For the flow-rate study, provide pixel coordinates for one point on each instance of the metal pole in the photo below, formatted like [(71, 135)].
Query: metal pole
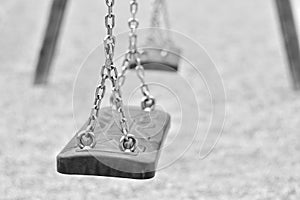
[(291, 41), (47, 51)]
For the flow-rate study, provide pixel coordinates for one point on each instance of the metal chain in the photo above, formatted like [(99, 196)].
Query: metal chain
[(133, 56), (86, 138)]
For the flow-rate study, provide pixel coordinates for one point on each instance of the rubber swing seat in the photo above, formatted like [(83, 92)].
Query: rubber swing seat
[(106, 158)]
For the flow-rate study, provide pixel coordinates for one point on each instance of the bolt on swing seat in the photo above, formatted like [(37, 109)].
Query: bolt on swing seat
[(107, 158)]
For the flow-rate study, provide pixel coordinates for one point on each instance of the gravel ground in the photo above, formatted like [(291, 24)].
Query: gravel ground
[(257, 156)]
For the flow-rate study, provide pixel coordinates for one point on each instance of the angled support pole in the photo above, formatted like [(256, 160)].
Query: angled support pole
[(291, 40), (47, 51)]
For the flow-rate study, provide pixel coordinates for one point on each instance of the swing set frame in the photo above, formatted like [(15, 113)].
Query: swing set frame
[(47, 52)]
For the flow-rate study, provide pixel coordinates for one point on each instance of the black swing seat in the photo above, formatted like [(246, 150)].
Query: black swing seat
[(106, 158), (159, 59)]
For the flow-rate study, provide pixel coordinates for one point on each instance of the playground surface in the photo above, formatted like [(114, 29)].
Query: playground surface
[(257, 157)]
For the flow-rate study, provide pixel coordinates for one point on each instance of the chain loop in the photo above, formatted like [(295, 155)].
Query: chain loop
[(128, 143), (110, 3), (86, 139), (133, 8)]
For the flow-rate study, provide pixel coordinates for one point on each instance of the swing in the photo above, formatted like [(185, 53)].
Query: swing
[(118, 141), (160, 52)]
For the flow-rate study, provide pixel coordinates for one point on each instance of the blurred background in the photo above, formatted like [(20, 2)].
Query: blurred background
[(257, 156)]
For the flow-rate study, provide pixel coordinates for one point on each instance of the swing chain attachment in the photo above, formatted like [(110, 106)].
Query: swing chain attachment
[(112, 72), (133, 56), (128, 142), (86, 138)]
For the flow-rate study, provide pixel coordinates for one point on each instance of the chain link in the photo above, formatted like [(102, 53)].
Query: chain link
[(110, 17)]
